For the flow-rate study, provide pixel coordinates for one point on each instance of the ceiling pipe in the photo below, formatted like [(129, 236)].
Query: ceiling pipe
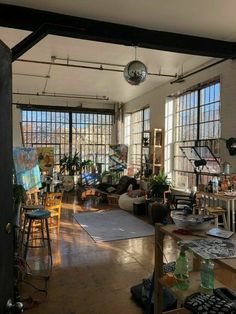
[(62, 95), (100, 68), (33, 75), (180, 78), (89, 62)]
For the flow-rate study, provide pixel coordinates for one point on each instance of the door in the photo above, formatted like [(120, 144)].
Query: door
[(6, 206)]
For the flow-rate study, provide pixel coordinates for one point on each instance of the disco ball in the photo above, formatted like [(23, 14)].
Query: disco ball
[(135, 72)]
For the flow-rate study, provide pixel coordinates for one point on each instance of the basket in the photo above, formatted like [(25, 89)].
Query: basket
[(113, 199)]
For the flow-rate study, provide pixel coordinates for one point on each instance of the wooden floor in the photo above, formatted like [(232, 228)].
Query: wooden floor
[(89, 277), (94, 278)]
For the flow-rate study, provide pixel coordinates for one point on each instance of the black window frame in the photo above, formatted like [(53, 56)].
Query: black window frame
[(66, 145)]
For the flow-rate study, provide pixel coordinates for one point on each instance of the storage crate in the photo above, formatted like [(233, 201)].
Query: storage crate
[(113, 199)]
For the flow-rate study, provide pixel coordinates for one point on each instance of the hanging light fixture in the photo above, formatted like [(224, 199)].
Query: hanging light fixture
[(135, 72)]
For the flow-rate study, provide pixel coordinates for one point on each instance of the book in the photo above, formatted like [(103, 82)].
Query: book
[(220, 233)]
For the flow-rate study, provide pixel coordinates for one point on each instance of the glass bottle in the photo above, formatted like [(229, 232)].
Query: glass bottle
[(209, 187), (215, 185), (207, 274), (181, 273)]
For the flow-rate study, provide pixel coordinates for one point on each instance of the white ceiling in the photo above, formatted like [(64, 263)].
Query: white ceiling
[(212, 18)]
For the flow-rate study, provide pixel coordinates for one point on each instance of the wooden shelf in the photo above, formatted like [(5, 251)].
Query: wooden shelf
[(194, 279), (157, 154), (194, 286), (178, 311), (153, 150)]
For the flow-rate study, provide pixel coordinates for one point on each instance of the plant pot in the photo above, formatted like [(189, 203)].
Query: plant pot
[(158, 213), (159, 189)]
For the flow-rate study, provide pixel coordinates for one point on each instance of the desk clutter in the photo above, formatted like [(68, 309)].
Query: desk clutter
[(194, 281), (201, 303)]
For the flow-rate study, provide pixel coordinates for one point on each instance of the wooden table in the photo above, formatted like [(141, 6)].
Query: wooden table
[(216, 198), (160, 280)]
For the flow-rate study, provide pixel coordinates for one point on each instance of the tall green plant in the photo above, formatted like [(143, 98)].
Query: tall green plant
[(70, 164), (159, 183), (19, 194)]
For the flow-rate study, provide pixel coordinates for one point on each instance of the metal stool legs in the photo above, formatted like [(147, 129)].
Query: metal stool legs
[(40, 216)]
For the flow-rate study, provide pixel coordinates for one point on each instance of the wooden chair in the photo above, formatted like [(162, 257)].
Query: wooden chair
[(218, 211), (53, 202), (32, 202), (32, 197)]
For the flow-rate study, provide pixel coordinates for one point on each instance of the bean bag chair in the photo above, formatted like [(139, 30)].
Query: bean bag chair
[(126, 200)]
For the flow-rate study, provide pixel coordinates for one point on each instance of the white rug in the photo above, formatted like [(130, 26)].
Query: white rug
[(111, 225)]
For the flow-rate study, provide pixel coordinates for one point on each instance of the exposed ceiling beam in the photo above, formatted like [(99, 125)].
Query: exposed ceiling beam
[(76, 27), (29, 41)]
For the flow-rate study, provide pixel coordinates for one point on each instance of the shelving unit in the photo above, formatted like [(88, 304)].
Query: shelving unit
[(152, 151), (157, 151), (145, 151), (161, 281)]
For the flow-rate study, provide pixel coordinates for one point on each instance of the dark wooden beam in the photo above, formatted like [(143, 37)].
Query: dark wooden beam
[(36, 107), (76, 27), (28, 42)]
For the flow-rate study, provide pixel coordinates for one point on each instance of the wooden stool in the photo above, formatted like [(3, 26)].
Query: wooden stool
[(218, 211), (40, 216)]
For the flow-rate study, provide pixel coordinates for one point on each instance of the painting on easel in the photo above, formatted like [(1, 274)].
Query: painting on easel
[(26, 167), (46, 158)]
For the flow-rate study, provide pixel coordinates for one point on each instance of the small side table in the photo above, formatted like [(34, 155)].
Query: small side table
[(139, 208)]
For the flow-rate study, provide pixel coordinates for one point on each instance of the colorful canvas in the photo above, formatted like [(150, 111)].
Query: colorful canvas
[(119, 157), (25, 158), (45, 158), (29, 179), (26, 167)]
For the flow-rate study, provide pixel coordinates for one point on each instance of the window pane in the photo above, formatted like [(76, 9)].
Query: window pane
[(187, 130), (48, 128)]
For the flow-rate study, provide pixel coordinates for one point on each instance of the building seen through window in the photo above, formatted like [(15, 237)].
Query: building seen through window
[(86, 133)]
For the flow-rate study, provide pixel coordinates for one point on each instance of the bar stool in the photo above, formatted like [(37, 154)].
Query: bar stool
[(218, 211), (24, 209), (40, 217)]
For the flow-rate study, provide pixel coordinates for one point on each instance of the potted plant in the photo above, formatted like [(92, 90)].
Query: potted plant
[(19, 195), (159, 183), (70, 164), (157, 210)]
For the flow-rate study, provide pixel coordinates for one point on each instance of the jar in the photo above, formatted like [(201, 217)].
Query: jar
[(207, 274), (226, 168), (181, 272)]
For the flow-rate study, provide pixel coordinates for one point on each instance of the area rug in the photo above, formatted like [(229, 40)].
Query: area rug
[(112, 225)]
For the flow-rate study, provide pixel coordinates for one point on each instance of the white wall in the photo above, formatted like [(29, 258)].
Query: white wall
[(157, 97)]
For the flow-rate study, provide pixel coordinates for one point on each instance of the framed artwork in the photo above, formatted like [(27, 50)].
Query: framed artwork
[(45, 158)]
